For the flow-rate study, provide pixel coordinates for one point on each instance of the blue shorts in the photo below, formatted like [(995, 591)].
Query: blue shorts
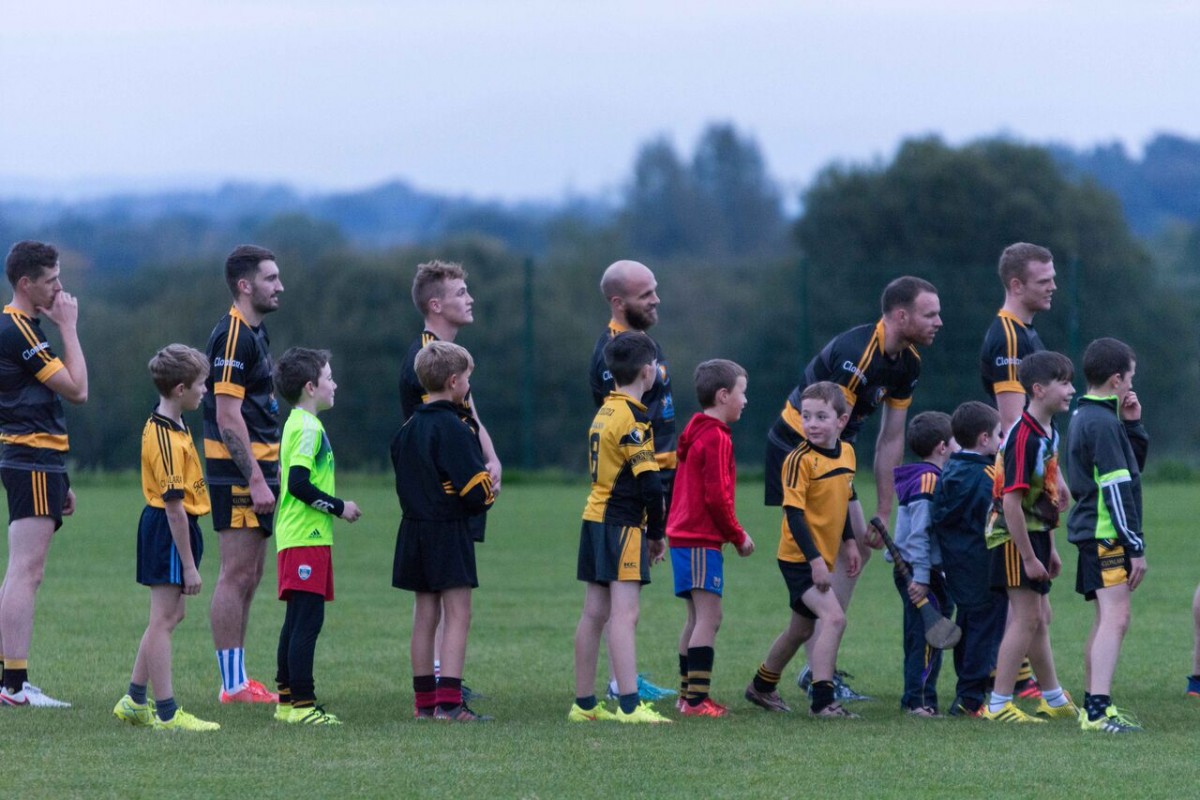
[(697, 568), (157, 559)]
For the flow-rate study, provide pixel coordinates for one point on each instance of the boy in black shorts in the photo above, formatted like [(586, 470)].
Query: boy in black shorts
[(622, 533), (442, 481), (1107, 446), (1020, 535), (818, 486), (169, 542)]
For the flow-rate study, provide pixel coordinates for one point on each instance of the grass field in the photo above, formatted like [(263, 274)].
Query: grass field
[(91, 615)]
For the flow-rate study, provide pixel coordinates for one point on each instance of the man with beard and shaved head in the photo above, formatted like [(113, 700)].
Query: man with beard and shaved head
[(241, 451), (631, 292)]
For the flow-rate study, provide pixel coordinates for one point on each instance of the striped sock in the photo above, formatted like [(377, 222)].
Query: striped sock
[(233, 669), (1055, 698), (765, 680), (998, 702), (700, 664)]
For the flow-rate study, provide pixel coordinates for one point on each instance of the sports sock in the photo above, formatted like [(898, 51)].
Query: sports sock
[(586, 703), (424, 692), (1096, 704), (1055, 698), (285, 695), (165, 709), (1025, 672), (700, 664), (233, 669), (998, 702), (137, 693), (765, 680), (683, 674), (613, 689), (822, 694), (629, 702), (449, 693), (16, 674)]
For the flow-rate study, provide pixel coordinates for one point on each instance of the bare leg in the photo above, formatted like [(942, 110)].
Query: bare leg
[(426, 612), (242, 552), (28, 545), (1041, 656), (592, 624), (456, 608), (153, 662), (705, 613), (843, 584), (798, 631), (622, 633), (1024, 622), (1112, 621), (1196, 632), (828, 638)]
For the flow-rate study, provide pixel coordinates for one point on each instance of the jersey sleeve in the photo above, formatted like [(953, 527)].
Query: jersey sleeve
[(163, 457), (1115, 481), (599, 378), (795, 481), (30, 348), (234, 354), (461, 460), (637, 446), (900, 394), (303, 443), (1020, 459)]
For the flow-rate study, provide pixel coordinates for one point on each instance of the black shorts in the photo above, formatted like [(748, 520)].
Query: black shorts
[(232, 509), (157, 558), (1102, 563), (610, 553), (781, 440), (1008, 571), (798, 577), (434, 556), (35, 494)]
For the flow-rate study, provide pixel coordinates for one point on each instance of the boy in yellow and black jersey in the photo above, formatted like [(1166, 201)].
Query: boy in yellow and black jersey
[(623, 532)]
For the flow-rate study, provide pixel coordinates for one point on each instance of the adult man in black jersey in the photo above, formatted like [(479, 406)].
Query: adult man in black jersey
[(33, 447), (241, 450), (875, 364), (1027, 273)]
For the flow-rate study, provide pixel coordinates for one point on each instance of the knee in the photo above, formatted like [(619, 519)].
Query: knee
[(626, 618), (835, 620)]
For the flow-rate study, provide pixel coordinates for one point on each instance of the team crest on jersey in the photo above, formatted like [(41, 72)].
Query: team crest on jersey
[(880, 393), (636, 436), (304, 571)]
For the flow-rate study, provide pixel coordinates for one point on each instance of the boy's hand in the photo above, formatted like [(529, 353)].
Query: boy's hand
[(1131, 409), (69, 504), (191, 580), (1034, 570), (872, 535), (747, 547), (1137, 571), (852, 556), (1055, 563), (917, 592), (658, 550), (350, 511), (820, 575)]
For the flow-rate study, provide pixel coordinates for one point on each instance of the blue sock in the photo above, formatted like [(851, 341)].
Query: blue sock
[(233, 669), (137, 693), (586, 703), (629, 702), (166, 709)]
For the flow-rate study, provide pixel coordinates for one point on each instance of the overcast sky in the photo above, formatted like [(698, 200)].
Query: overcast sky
[(532, 99)]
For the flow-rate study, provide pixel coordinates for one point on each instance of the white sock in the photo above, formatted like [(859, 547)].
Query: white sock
[(233, 669), (998, 702), (1055, 698)]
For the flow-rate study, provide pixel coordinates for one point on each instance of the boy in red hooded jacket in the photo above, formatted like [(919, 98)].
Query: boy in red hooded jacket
[(702, 520)]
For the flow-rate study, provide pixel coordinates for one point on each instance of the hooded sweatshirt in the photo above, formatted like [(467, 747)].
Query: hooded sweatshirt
[(914, 489), (702, 509)]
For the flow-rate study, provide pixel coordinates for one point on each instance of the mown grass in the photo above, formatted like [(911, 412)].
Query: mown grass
[(91, 615)]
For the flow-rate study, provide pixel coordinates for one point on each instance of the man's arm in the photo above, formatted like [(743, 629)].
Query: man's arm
[(889, 452), (1010, 405), (237, 441), (71, 382), (491, 460)]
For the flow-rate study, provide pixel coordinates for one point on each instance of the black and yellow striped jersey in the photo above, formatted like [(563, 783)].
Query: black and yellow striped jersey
[(658, 400), (620, 448), (440, 474), (240, 366), (412, 393), (820, 483), (33, 427), (1006, 342), (171, 466), (855, 360)]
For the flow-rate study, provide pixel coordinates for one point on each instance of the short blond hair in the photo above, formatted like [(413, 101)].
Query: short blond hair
[(430, 280), (437, 362), (177, 364)]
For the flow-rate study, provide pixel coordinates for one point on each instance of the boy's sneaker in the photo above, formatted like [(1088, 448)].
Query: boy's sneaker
[(707, 708), (1009, 713), (804, 679), (252, 692), (460, 713), (644, 713), (680, 703), (842, 690), (424, 713), (647, 691), (1193, 689), (959, 708), (597, 714), (769, 701), (1028, 689), (283, 712), (312, 715), (470, 695), (31, 696), (1067, 711), (834, 710), (1113, 721), (183, 721), (138, 715), (927, 712)]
